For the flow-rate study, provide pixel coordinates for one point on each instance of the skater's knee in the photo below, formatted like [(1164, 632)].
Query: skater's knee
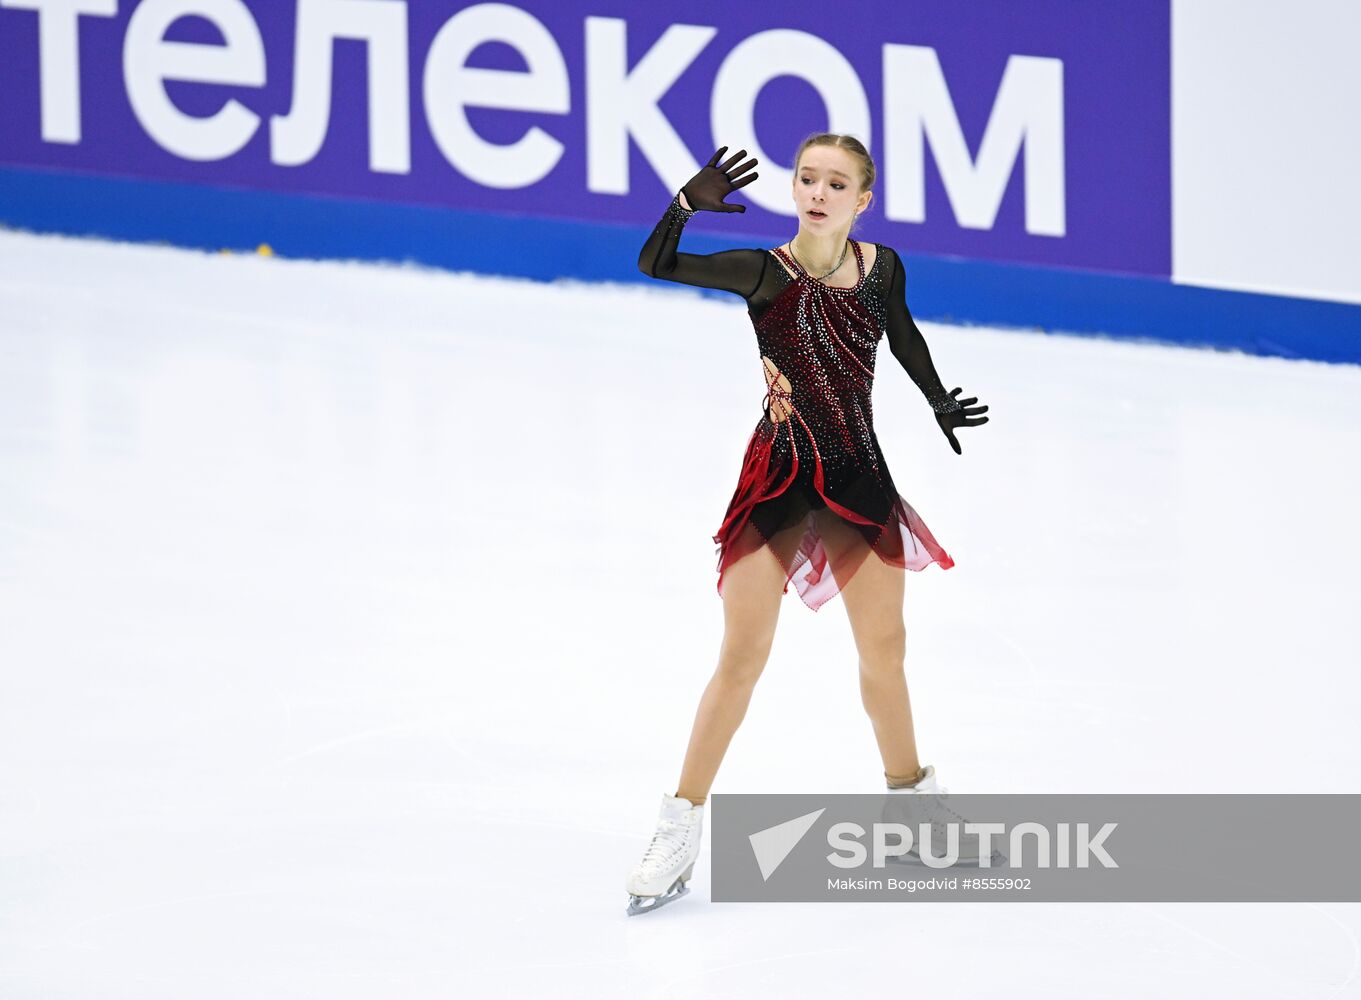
[(740, 673), (881, 645), (883, 649), (742, 660)]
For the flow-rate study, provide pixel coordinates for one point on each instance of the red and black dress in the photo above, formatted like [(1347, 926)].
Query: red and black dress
[(814, 489)]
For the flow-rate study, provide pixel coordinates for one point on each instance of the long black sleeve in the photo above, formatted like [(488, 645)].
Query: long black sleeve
[(738, 271), (909, 346)]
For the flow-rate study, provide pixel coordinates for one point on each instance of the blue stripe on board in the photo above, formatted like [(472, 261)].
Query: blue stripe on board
[(942, 289)]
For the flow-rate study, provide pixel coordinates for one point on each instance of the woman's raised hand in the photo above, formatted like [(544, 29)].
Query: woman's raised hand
[(967, 415), (714, 182)]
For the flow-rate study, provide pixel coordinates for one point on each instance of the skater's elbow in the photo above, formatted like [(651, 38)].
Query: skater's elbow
[(651, 266)]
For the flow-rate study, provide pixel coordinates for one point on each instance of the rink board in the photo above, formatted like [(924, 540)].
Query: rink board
[(944, 289)]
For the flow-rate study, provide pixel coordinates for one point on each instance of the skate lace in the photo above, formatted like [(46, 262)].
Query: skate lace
[(937, 812), (667, 844), (938, 806)]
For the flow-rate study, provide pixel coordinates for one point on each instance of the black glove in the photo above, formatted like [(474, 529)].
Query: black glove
[(959, 413), (707, 189)]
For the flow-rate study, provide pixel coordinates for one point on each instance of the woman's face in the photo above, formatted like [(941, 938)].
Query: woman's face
[(827, 189)]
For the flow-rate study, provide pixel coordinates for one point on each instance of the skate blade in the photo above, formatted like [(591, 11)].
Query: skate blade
[(646, 904)]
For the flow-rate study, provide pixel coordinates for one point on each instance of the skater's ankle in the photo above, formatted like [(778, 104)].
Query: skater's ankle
[(906, 780), (693, 800)]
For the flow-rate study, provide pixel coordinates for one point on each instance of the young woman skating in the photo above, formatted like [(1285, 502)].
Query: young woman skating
[(814, 499)]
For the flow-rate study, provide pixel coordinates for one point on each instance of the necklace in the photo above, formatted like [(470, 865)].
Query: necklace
[(829, 273)]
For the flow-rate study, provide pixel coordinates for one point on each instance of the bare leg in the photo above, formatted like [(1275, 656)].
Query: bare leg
[(752, 588), (874, 604)]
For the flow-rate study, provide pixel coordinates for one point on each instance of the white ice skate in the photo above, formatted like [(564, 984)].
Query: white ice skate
[(923, 803), (669, 861)]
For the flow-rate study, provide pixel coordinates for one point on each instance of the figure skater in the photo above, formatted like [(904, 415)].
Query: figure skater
[(814, 498)]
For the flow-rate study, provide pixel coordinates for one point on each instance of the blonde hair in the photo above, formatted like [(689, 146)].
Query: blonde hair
[(851, 145)]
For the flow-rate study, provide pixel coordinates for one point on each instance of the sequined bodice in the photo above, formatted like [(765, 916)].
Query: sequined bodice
[(824, 340)]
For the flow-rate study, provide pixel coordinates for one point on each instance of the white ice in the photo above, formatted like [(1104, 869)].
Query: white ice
[(353, 620)]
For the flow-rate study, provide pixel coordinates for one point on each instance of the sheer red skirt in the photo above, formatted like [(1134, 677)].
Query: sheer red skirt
[(820, 525)]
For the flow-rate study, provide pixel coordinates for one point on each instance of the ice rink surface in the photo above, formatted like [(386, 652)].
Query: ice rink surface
[(353, 621)]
